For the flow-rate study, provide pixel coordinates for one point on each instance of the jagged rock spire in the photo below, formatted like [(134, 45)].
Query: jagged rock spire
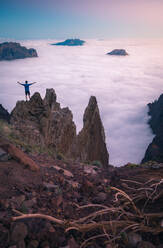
[(91, 139), (50, 97)]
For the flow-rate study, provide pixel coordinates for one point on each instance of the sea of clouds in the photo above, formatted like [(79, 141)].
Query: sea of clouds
[(123, 86)]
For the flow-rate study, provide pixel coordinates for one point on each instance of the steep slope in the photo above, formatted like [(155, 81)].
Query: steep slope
[(155, 149)]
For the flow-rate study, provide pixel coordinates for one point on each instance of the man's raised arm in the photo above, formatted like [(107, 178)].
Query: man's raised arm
[(19, 83)]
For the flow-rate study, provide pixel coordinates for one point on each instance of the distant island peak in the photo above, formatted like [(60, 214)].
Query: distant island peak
[(13, 50), (70, 42), (118, 52)]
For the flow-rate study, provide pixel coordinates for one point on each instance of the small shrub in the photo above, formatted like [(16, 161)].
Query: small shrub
[(24, 209), (60, 156), (131, 165), (5, 128), (97, 163)]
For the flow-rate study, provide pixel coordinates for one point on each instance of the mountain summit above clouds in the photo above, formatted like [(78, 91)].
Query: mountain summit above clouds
[(118, 52), (13, 50), (44, 123), (70, 42)]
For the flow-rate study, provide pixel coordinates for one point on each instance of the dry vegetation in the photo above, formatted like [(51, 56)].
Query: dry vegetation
[(135, 211)]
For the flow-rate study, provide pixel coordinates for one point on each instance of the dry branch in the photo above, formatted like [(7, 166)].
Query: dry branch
[(40, 216), (110, 222)]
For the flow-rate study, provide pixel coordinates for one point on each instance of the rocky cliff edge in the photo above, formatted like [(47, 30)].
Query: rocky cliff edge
[(155, 149), (44, 123)]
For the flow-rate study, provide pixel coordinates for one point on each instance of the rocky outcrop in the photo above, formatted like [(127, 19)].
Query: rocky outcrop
[(70, 42), (4, 115), (155, 149), (13, 50), (118, 52), (44, 123), (91, 140)]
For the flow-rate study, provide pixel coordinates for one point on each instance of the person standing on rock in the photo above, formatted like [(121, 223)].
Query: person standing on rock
[(26, 87)]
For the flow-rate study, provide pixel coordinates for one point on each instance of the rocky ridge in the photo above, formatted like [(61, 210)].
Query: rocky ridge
[(13, 50), (70, 42), (44, 123), (155, 149)]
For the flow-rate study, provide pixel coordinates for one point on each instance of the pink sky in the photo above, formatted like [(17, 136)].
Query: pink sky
[(138, 18), (139, 12)]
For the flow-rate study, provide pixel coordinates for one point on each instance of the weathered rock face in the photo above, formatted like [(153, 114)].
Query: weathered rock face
[(4, 115), (13, 50), (70, 42), (155, 149), (46, 124), (118, 52), (26, 118), (91, 140)]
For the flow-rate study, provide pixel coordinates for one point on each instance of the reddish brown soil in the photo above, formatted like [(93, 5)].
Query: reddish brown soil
[(61, 201)]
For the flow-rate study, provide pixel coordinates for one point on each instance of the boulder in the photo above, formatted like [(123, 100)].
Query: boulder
[(133, 239), (154, 151), (13, 50), (4, 235), (146, 244), (4, 155), (19, 232), (118, 52), (33, 244), (100, 198), (72, 243), (4, 115), (70, 42), (50, 187)]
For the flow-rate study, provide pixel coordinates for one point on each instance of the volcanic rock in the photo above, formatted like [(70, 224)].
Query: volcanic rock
[(133, 239), (155, 149), (13, 50), (100, 198), (4, 234), (33, 244), (118, 52), (145, 244), (70, 42), (4, 115), (19, 232), (45, 124), (72, 243), (4, 156), (91, 140)]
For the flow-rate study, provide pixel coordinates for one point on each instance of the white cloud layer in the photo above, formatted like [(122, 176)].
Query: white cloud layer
[(123, 86)]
